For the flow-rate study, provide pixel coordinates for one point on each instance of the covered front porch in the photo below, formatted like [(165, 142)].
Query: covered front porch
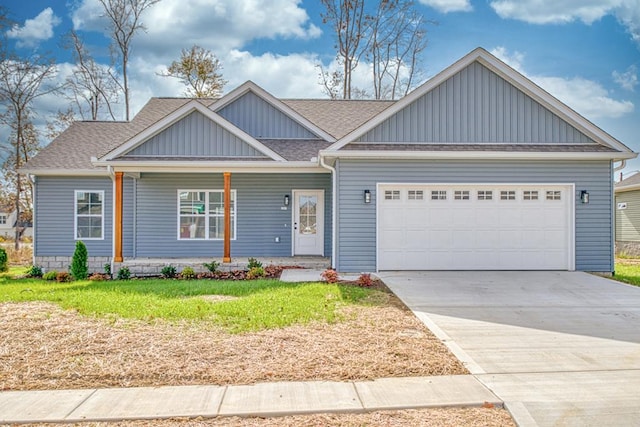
[(153, 266)]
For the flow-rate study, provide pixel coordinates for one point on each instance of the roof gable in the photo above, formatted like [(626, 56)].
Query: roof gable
[(480, 99), (218, 133), (260, 114)]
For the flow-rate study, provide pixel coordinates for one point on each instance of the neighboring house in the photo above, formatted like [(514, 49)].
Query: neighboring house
[(8, 225), (627, 217), (476, 169)]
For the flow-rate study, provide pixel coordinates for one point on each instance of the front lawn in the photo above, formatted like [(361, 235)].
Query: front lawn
[(628, 271), (238, 306)]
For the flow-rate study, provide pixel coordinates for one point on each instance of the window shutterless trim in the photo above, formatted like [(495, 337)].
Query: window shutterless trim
[(208, 215), (75, 214)]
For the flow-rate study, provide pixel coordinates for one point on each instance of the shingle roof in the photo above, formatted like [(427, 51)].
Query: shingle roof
[(296, 149), (632, 180)]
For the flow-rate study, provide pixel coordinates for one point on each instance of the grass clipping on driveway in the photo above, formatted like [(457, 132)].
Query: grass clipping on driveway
[(45, 347)]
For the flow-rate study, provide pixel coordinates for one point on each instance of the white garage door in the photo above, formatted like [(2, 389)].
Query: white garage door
[(475, 227)]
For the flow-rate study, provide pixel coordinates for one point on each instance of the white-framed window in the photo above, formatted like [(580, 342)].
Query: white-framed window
[(507, 195), (554, 195), (485, 195), (530, 195), (415, 195), (461, 195), (392, 194), (89, 215), (439, 195), (201, 214), (3, 219)]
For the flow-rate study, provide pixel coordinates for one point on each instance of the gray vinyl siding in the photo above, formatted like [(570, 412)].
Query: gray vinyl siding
[(475, 106), (259, 214), (195, 136), (356, 244), (260, 119), (628, 220), (54, 207)]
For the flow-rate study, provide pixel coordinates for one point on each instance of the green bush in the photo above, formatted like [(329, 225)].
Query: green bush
[(253, 263), (212, 266), (79, 267), (34, 271), (50, 275), (124, 273), (188, 273), (4, 261), (107, 269), (168, 272)]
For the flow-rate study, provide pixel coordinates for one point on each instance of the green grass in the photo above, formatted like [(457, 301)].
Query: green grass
[(260, 304), (628, 273)]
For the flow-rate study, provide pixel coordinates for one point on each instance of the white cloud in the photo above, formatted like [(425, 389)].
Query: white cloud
[(627, 80), (587, 97), (446, 6), (35, 30), (218, 25), (587, 11)]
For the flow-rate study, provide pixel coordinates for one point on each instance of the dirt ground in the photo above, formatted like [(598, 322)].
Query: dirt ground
[(45, 347)]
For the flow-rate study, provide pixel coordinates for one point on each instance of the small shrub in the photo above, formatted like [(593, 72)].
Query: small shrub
[(168, 272), (50, 275), (255, 273), (124, 273), (253, 263), (99, 277), (63, 277), (79, 267), (329, 276), (107, 269), (365, 280), (188, 273), (212, 266), (34, 271), (4, 261)]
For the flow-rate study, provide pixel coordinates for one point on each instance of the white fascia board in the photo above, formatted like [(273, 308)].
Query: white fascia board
[(65, 172), (510, 75), (626, 188), (176, 116), (208, 167), (475, 155), (250, 86)]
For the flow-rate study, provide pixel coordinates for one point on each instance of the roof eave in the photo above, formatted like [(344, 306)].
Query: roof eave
[(475, 155), (204, 166)]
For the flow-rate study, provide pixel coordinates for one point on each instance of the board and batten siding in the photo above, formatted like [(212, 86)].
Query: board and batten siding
[(260, 215), (628, 219), (195, 136), (475, 106), (260, 119), (356, 246), (54, 222)]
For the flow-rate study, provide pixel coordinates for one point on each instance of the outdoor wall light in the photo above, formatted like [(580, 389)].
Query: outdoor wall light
[(286, 200), (367, 196), (584, 196)]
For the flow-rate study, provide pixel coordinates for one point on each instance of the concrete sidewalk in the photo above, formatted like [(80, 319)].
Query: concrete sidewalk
[(265, 399)]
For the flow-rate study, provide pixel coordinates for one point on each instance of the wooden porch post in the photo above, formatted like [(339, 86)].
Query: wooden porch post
[(118, 218), (227, 217)]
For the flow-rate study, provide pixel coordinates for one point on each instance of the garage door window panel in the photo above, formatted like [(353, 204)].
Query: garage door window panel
[(485, 195), (554, 195), (461, 195), (507, 195), (439, 195)]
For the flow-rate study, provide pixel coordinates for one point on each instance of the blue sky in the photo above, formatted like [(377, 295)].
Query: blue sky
[(585, 52)]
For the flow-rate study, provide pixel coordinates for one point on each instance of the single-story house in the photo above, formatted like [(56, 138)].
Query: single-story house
[(476, 169), (627, 215)]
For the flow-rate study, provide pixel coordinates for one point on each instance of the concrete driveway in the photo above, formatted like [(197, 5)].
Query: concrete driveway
[(559, 348)]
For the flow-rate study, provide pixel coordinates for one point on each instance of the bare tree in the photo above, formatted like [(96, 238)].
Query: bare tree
[(347, 19), (396, 37), (331, 82), (91, 86), (124, 22), (59, 123), (200, 71), (21, 82)]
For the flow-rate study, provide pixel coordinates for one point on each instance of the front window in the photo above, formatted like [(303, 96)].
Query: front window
[(89, 215), (201, 214)]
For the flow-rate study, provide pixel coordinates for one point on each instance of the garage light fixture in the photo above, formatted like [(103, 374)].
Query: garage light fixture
[(584, 196), (367, 196)]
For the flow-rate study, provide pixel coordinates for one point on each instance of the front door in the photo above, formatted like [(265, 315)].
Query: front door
[(308, 222)]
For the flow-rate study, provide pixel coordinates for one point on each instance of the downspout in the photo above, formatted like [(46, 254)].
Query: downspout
[(32, 180), (334, 215)]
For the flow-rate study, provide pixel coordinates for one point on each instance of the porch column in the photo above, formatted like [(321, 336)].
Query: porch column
[(118, 218), (227, 217)]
